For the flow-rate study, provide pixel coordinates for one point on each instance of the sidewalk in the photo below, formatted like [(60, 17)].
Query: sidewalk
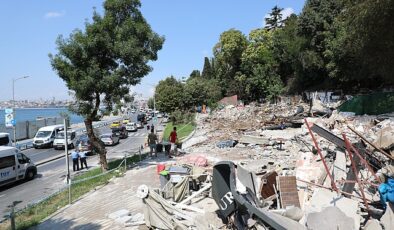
[(91, 211)]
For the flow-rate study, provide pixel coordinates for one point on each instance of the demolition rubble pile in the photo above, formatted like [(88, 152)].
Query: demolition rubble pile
[(283, 166)]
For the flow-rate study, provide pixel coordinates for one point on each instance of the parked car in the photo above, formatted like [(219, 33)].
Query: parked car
[(58, 143), (133, 110), (159, 115), (109, 139), (5, 139), (131, 127), (121, 132), (84, 144), (115, 124)]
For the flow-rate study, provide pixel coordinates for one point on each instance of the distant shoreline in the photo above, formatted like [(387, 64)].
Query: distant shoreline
[(39, 108)]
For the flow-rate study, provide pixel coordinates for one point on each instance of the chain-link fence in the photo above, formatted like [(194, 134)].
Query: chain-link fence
[(372, 104), (70, 192)]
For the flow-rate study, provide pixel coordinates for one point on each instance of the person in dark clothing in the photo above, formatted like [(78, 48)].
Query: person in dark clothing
[(82, 156), (75, 157), (152, 141)]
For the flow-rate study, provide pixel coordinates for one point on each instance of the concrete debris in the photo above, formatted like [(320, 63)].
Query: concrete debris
[(387, 219), (322, 198), (254, 140), (373, 224), (263, 168), (119, 214), (329, 219)]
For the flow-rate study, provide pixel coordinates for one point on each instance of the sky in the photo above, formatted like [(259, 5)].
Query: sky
[(191, 29)]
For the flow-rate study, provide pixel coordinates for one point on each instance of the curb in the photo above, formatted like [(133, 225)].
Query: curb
[(49, 160)]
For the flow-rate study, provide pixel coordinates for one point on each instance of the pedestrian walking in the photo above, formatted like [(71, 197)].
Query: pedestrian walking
[(152, 141), (173, 138), (82, 156), (75, 157)]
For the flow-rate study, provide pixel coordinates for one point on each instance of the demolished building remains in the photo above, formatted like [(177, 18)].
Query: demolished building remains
[(282, 166)]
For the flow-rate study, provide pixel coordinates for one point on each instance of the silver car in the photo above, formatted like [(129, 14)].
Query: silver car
[(131, 127), (109, 139)]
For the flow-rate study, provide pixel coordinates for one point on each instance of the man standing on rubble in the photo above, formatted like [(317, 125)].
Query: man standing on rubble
[(173, 138)]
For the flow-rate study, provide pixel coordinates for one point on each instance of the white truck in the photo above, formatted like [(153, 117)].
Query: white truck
[(58, 143), (15, 166), (46, 135)]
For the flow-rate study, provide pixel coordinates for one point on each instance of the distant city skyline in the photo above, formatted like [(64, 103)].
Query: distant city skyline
[(31, 28)]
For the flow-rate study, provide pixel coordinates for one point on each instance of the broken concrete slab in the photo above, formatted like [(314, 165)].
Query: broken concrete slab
[(119, 214), (339, 171), (123, 220), (387, 219), (385, 138), (254, 140), (323, 198), (372, 224), (328, 219)]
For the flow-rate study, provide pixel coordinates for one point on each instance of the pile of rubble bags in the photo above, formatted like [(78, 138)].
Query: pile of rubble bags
[(279, 167)]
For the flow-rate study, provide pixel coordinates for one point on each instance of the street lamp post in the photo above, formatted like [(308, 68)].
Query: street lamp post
[(14, 105)]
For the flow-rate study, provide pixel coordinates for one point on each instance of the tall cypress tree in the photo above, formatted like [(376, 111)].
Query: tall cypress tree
[(207, 70)]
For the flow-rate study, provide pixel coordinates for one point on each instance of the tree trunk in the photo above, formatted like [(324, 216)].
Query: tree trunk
[(97, 145)]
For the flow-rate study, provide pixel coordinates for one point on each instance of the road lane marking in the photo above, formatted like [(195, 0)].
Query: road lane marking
[(2, 195)]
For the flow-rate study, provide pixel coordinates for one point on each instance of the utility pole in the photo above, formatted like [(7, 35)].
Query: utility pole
[(14, 105), (67, 160)]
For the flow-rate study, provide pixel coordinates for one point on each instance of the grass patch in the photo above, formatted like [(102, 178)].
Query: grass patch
[(183, 130), (33, 215)]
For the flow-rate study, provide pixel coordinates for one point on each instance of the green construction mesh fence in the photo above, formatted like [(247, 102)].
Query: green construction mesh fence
[(372, 104)]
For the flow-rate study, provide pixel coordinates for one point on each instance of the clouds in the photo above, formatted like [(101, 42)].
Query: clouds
[(54, 14), (286, 12)]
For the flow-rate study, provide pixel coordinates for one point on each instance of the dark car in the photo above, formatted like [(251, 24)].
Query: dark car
[(142, 118), (121, 132), (84, 144)]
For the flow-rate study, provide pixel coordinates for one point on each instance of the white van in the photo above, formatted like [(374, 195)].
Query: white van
[(46, 135), (5, 139), (14, 166), (58, 143)]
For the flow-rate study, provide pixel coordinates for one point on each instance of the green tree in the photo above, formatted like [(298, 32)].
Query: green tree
[(316, 27), (274, 20), (207, 72), (194, 74), (102, 61), (195, 93), (227, 53), (362, 51), (259, 75), (151, 103), (286, 45), (169, 95)]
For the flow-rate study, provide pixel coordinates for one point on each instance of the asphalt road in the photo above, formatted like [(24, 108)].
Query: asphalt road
[(51, 176)]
